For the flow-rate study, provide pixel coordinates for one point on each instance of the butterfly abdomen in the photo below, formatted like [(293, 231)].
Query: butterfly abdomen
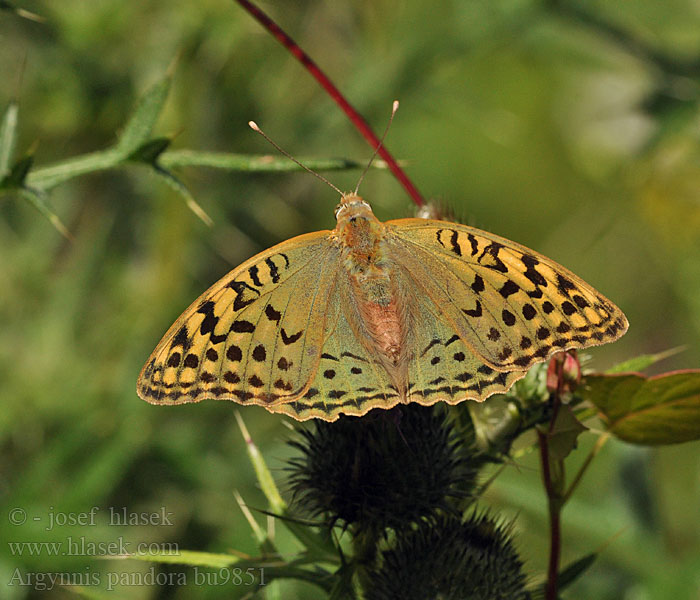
[(366, 260)]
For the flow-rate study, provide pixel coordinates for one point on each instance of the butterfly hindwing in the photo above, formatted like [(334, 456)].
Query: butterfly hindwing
[(349, 379), (252, 336), (512, 306), (444, 368)]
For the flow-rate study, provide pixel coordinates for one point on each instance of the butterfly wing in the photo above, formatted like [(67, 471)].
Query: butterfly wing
[(509, 305), (253, 337), (349, 380), (444, 367)]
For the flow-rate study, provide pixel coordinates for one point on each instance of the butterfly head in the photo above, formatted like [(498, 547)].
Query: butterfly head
[(352, 207)]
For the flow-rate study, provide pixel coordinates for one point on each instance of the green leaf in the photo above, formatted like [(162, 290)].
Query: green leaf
[(664, 409), (564, 433), (150, 151), (574, 570), (18, 173), (138, 128), (38, 200), (184, 193), (8, 134), (643, 361), (20, 12), (315, 543), (343, 588), (566, 576), (187, 557), (267, 483)]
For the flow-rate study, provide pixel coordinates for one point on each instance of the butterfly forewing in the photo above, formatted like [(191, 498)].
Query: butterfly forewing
[(252, 337), (512, 306)]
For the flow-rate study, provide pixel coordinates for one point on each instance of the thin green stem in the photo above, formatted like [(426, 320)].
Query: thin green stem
[(584, 467)]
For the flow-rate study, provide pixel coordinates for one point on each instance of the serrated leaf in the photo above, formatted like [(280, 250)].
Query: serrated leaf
[(564, 433), (643, 361), (664, 409), (8, 134), (37, 200), (139, 126)]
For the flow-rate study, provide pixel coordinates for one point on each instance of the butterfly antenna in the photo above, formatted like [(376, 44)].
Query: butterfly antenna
[(254, 126), (394, 108)]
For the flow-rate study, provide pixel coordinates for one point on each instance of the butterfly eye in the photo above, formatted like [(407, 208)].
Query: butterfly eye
[(338, 209)]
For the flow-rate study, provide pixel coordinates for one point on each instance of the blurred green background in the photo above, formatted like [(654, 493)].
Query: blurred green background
[(572, 128)]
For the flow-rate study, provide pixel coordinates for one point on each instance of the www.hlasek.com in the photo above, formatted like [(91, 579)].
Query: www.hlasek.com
[(80, 546), (112, 580)]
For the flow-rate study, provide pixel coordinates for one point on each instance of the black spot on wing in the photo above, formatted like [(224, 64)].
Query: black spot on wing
[(242, 326), (274, 271), (432, 343), (259, 353), (253, 273), (478, 285), (245, 294), (290, 339), (509, 288), (454, 240), (564, 284), (529, 311), (234, 354), (452, 340), (531, 272), (508, 317), (351, 355), (489, 258), (473, 312), (474, 244), (210, 322), (182, 338), (568, 308), (272, 314)]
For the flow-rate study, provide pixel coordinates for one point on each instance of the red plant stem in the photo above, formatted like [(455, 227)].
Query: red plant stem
[(554, 521), (554, 500), (334, 93)]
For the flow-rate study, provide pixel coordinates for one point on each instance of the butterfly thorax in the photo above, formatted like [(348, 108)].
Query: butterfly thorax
[(366, 261)]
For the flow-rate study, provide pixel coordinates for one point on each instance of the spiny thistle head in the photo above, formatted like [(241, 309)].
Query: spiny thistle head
[(383, 470), (448, 559)]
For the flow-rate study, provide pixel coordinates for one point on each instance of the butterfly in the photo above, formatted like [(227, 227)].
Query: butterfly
[(372, 314)]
